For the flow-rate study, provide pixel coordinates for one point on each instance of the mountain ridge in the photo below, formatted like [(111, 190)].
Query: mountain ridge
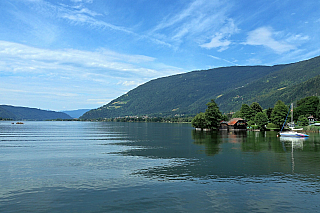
[(188, 93), (26, 113)]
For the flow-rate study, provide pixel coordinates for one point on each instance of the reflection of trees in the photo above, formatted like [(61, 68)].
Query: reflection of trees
[(262, 141), (210, 140), (242, 153), (249, 141)]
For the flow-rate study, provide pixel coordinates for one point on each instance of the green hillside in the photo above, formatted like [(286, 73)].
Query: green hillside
[(270, 88), (296, 92), (25, 113), (188, 93), (180, 94)]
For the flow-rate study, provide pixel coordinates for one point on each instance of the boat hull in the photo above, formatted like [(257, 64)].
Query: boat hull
[(293, 134)]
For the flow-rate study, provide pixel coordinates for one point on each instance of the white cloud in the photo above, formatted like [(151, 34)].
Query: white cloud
[(84, 1), (98, 101), (221, 59), (177, 18), (23, 58), (129, 83), (264, 36), (221, 39), (81, 15), (297, 38), (200, 20), (217, 41), (47, 78), (254, 61)]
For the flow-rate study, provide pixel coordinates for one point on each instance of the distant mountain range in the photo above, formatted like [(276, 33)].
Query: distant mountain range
[(230, 87), (25, 113), (76, 113)]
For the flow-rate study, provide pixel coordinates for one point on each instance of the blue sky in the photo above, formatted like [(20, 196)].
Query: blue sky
[(75, 54)]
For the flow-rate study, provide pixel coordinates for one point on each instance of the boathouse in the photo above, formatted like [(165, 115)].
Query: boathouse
[(234, 124), (223, 125)]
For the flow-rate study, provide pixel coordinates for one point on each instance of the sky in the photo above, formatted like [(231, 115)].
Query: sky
[(81, 54)]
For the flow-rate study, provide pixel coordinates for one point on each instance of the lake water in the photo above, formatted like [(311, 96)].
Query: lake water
[(154, 167)]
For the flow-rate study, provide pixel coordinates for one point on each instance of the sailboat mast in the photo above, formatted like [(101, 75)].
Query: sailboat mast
[(291, 113)]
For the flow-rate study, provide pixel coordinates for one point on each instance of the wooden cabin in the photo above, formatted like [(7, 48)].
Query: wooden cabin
[(237, 124), (223, 125)]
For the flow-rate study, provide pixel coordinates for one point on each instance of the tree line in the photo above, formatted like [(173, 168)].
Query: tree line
[(256, 116), (144, 119)]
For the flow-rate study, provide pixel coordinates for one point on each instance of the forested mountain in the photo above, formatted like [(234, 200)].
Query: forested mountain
[(293, 93), (25, 113), (188, 93), (288, 84)]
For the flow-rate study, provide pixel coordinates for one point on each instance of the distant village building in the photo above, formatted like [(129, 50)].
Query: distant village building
[(311, 119), (234, 124)]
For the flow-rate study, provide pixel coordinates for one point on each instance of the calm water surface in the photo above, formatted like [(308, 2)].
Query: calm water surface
[(154, 167)]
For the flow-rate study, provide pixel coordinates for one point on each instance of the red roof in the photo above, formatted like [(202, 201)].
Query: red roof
[(233, 121)]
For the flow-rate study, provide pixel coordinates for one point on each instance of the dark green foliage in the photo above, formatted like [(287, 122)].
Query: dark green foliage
[(25, 113), (289, 84), (246, 112), (199, 121), (272, 126), (210, 119), (226, 117), (261, 119), (317, 113), (249, 112), (268, 112), (148, 119), (237, 114), (293, 93), (279, 113), (256, 107), (187, 94), (213, 115), (303, 121), (306, 107)]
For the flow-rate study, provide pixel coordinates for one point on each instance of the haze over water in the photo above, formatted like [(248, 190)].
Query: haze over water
[(154, 167)]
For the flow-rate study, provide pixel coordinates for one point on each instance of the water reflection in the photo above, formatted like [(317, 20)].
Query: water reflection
[(239, 154), (293, 142), (247, 141), (212, 140), (121, 167)]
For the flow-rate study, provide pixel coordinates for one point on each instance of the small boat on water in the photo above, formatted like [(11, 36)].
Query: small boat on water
[(293, 134)]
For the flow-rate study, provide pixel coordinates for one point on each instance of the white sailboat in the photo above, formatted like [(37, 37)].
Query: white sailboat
[(292, 132)]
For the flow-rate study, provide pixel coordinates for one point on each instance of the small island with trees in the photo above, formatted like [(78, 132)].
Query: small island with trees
[(254, 117)]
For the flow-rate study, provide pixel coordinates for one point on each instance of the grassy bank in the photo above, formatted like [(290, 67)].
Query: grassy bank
[(311, 128)]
